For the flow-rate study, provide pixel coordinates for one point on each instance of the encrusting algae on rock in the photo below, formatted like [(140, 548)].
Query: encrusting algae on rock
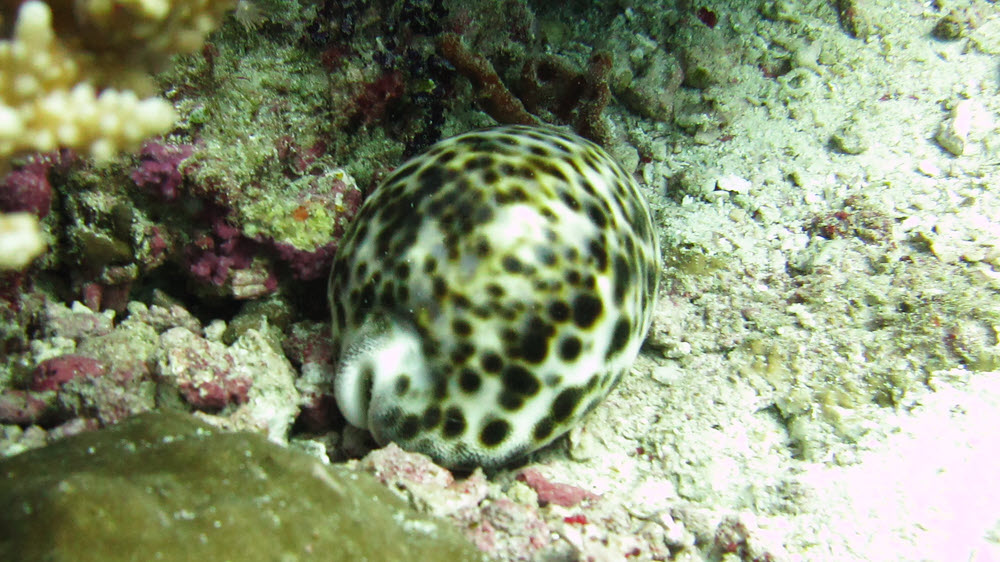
[(165, 486)]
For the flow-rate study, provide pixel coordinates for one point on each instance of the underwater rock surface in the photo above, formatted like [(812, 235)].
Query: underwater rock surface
[(166, 486)]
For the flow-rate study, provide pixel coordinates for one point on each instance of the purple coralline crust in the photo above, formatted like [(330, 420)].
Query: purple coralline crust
[(306, 265), (76, 324), (225, 258), (24, 407), (216, 394), (52, 373), (12, 285), (203, 372), (109, 399), (163, 317), (212, 257), (27, 189), (308, 342), (159, 168), (497, 525), (393, 466), (565, 495)]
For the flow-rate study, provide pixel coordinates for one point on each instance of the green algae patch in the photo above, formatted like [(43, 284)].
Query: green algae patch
[(165, 486)]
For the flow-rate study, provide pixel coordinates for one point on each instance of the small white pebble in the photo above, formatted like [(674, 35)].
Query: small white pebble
[(734, 184), (667, 374), (928, 168)]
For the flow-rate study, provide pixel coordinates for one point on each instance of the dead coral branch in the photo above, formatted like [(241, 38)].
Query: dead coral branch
[(496, 99)]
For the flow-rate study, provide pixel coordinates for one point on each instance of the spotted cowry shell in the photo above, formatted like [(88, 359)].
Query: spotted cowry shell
[(490, 292)]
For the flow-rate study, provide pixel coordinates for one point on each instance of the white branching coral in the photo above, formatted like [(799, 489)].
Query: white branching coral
[(21, 240), (75, 81)]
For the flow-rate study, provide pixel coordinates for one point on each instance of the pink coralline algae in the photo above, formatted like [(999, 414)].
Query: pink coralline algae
[(27, 189), (12, 288), (216, 394), (307, 266), (395, 467), (77, 323), (499, 526), (308, 346), (23, 407), (203, 372), (308, 342), (106, 296), (75, 386), (213, 258), (378, 96), (509, 530), (158, 245), (299, 160), (550, 492), (51, 374), (160, 168)]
